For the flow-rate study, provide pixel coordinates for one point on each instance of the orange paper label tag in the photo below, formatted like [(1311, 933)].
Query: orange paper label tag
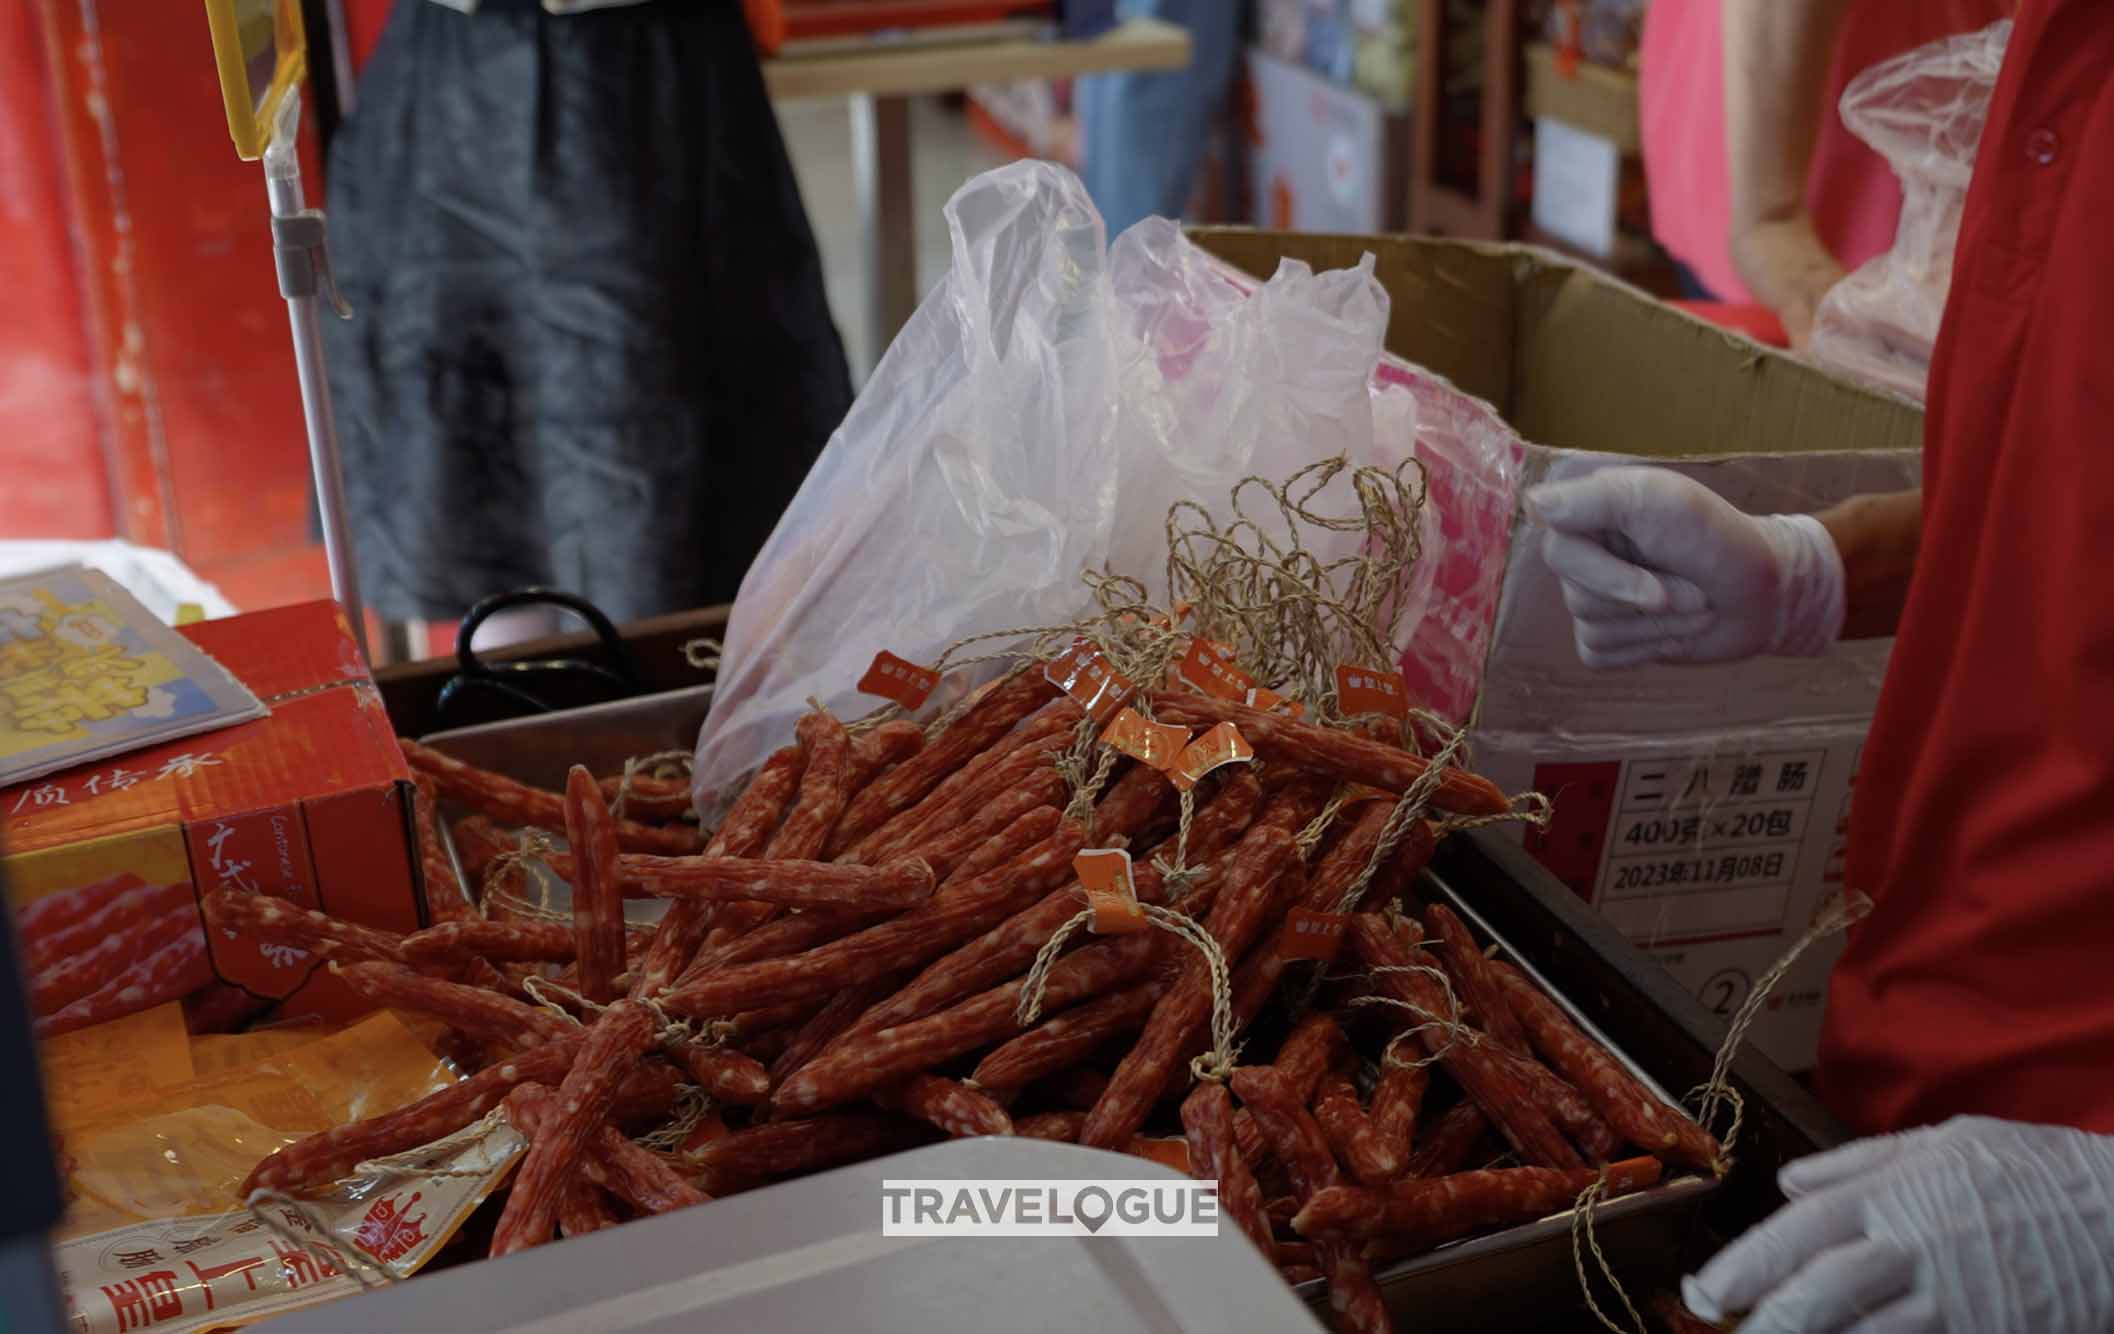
[(1308, 934), (1208, 666), (1110, 893), (1085, 675), (892, 678), (1222, 745), (1172, 1153), (1157, 745), (1269, 701), (1364, 690)]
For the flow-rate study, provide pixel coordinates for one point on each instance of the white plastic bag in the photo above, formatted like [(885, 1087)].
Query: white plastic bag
[(1923, 111), (1035, 419)]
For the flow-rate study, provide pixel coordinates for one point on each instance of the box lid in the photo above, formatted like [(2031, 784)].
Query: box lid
[(327, 733)]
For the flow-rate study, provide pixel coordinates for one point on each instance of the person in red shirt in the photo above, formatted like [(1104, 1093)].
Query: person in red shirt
[(1983, 823), (1759, 192)]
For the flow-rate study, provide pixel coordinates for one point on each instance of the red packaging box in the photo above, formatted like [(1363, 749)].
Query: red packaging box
[(104, 862)]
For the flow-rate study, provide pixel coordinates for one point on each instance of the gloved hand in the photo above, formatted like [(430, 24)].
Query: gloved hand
[(1977, 1226), (1657, 568)]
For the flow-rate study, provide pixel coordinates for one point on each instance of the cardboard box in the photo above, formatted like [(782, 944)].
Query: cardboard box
[(311, 804), (1323, 157), (1703, 809)]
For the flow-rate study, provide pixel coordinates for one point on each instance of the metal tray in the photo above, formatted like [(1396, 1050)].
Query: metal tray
[(540, 749), (1511, 1279)]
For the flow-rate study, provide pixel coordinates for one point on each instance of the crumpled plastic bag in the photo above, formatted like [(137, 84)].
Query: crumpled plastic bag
[(1923, 111), (1035, 419)]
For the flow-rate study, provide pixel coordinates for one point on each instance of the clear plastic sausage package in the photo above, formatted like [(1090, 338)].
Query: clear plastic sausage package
[(156, 1129), (1043, 409)]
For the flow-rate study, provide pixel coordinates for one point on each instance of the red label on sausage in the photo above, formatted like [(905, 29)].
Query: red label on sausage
[(1221, 745), (1157, 745), (1269, 701), (1208, 666), (1110, 893), (1366, 690), (1172, 1153), (1308, 934), (1084, 674), (893, 678)]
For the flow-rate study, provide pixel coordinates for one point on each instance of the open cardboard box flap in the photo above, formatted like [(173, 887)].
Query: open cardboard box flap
[(1527, 366), (1701, 809)]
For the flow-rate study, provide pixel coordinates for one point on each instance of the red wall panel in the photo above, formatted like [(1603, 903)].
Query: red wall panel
[(186, 332), (50, 445)]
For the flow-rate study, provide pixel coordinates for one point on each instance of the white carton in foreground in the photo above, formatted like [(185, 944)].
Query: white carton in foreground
[(1702, 809)]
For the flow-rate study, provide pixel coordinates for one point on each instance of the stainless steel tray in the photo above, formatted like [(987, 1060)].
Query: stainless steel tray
[(1503, 1280), (541, 748), (1511, 1278)]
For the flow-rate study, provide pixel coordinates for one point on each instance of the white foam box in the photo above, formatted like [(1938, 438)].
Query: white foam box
[(1702, 809)]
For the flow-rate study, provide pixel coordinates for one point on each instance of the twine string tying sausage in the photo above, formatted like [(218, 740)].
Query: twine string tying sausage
[(1317, 828), (1179, 877), (1085, 767), (1028, 1008), (656, 765), (562, 1000), (1457, 1030), (421, 1160), (532, 849), (548, 994), (692, 1106), (1408, 807), (1526, 808), (1215, 1064), (1717, 1093), (703, 654), (1253, 583), (1583, 1240), (1710, 1097)]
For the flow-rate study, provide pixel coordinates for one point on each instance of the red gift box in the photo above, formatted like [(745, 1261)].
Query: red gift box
[(105, 861)]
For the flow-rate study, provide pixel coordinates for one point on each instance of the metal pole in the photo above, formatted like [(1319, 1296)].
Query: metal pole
[(302, 252), (881, 171)]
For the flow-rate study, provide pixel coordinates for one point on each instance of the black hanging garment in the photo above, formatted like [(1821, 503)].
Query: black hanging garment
[(590, 346)]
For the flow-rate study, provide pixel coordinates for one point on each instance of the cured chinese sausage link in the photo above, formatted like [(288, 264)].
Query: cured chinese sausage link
[(512, 802)]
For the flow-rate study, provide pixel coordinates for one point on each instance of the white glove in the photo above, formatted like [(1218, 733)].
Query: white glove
[(1657, 568), (1977, 1226)]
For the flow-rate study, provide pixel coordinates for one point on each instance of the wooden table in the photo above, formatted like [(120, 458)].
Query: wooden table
[(881, 76)]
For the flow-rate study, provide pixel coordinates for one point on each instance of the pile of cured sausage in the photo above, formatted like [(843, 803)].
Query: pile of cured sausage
[(841, 969)]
